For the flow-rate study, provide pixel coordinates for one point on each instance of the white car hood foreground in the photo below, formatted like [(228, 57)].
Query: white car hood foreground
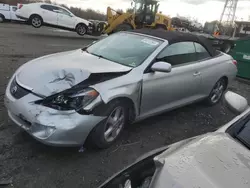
[(213, 160), (57, 72)]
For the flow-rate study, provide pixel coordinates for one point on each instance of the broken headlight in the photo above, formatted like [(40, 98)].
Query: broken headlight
[(65, 101)]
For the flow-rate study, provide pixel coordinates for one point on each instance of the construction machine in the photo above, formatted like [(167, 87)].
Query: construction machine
[(145, 15)]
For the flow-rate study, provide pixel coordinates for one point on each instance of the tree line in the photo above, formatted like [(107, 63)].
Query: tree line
[(82, 13)]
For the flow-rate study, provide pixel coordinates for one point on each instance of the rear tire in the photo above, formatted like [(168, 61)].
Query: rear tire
[(217, 92), (108, 131), (36, 21), (123, 27), (226, 47), (81, 29), (2, 18), (161, 27)]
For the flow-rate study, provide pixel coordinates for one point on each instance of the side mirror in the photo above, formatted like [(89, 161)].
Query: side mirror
[(161, 67), (235, 102)]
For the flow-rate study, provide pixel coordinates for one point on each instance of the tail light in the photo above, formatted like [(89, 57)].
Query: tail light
[(235, 62), (20, 6)]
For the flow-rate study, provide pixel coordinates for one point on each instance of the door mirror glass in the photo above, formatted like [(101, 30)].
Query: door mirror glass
[(161, 67), (235, 102)]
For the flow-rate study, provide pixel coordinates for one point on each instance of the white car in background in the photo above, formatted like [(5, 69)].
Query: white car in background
[(8, 12), (38, 14)]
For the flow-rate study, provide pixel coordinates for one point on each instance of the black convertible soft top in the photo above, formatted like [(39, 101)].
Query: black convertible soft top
[(175, 36)]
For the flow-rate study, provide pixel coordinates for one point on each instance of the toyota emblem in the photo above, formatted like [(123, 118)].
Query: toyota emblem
[(14, 89)]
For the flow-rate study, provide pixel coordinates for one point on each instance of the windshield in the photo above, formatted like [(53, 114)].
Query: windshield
[(244, 135), (241, 130), (125, 48)]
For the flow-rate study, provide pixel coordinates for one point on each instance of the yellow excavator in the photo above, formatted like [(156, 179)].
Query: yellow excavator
[(145, 15)]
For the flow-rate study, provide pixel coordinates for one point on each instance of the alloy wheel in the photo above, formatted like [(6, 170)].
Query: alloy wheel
[(114, 124), (82, 30), (36, 22), (217, 91)]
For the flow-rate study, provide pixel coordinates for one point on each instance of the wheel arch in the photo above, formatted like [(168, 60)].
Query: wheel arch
[(2, 16), (35, 14), (226, 79), (133, 111), (131, 106), (81, 23)]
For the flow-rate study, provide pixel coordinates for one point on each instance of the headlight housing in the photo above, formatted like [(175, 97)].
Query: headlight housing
[(67, 101)]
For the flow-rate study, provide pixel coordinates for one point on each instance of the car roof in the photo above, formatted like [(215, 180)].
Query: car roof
[(174, 37), (211, 160)]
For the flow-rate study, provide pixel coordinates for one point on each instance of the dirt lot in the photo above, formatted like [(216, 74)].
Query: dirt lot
[(32, 164)]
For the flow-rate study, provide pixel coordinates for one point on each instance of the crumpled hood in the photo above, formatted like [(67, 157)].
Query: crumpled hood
[(57, 72), (212, 160)]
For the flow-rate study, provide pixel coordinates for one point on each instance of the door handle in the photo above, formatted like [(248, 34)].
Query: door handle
[(197, 74)]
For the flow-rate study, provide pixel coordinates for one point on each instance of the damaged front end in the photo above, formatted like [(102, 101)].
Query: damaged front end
[(70, 100), (60, 119), (79, 96)]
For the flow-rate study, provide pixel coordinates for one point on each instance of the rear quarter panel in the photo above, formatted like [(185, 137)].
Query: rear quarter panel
[(27, 10), (214, 69)]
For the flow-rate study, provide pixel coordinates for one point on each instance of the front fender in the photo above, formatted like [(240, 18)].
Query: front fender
[(130, 91)]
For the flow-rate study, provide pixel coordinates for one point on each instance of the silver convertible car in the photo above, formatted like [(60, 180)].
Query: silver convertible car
[(90, 94)]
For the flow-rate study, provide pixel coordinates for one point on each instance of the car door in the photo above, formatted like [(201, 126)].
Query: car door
[(162, 91), (65, 19), (13, 13), (211, 70), (49, 14)]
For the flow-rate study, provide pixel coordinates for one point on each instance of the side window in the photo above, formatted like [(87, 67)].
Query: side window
[(47, 7), (14, 9), (178, 53), (63, 11), (201, 52)]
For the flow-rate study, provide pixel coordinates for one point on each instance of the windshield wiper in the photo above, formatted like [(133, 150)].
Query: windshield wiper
[(100, 56)]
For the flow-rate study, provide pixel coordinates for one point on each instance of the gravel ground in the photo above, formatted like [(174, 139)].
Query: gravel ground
[(31, 164)]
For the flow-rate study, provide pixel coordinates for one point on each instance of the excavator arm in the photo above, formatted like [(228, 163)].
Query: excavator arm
[(116, 18)]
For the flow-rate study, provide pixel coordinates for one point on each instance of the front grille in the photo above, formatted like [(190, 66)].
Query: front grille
[(17, 91)]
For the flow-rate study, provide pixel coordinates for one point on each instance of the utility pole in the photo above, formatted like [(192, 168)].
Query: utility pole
[(228, 14)]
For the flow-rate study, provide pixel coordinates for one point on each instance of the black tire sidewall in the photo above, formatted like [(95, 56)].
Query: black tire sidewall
[(123, 27), (2, 18), (209, 99), (96, 138)]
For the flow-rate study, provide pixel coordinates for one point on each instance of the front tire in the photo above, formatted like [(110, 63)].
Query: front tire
[(81, 29), (108, 131), (217, 92), (1, 19), (36, 21), (123, 27)]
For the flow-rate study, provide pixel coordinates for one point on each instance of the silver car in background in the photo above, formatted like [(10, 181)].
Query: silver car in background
[(89, 94), (220, 159)]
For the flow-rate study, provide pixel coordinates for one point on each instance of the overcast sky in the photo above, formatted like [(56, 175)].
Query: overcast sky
[(203, 10)]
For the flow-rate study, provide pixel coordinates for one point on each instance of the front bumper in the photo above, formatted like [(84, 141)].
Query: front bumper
[(49, 126)]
